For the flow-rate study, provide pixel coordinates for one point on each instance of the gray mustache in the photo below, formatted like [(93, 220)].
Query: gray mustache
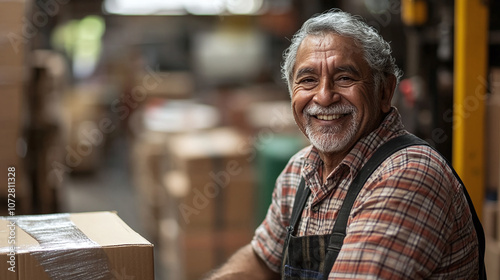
[(330, 110)]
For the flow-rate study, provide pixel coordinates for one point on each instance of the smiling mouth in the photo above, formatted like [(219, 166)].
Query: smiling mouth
[(329, 117)]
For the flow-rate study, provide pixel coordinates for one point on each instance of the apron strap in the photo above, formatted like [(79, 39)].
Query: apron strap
[(301, 196), (298, 206)]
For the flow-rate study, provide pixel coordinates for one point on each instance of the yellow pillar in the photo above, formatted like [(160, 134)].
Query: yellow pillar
[(471, 47)]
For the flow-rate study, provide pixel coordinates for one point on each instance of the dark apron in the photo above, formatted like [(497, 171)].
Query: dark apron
[(308, 257), (305, 257), (312, 257)]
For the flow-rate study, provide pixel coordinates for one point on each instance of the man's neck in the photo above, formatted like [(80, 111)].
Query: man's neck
[(330, 162)]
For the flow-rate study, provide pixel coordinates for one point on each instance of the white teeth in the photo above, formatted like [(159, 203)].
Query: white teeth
[(328, 117)]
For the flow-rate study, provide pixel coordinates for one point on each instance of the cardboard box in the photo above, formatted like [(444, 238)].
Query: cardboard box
[(10, 106), (12, 75), (172, 85), (13, 10), (13, 31), (98, 242), (208, 212), (492, 143), (189, 255), (8, 29), (12, 55), (147, 153), (217, 188), (492, 259), (84, 116), (490, 226)]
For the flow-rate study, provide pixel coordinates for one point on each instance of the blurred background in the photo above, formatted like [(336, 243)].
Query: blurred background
[(173, 113)]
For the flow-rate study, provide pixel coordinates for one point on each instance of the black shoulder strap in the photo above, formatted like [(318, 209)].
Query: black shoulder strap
[(387, 149), (298, 205)]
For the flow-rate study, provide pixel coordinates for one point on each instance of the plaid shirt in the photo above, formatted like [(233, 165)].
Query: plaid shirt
[(410, 220)]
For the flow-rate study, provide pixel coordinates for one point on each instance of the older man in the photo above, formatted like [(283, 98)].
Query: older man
[(410, 219)]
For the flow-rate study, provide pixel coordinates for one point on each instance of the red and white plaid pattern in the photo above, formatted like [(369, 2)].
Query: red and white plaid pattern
[(410, 220)]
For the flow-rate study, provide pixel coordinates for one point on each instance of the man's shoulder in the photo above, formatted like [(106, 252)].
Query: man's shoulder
[(419, 155), (419, 164)]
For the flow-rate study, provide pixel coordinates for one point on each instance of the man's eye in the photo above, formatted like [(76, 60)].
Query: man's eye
[(345, 78), (306, 80), (344, 81)]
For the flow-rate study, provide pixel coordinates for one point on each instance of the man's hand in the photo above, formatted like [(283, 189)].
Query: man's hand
[(244, 264)]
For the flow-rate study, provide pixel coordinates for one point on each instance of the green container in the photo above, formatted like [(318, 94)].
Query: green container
[(272, 157)]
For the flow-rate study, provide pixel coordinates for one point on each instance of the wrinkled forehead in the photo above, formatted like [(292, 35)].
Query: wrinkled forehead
[(330, 45), (329, 40)]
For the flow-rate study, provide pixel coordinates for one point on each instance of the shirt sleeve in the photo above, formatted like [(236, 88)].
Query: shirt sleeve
[(403, 226)]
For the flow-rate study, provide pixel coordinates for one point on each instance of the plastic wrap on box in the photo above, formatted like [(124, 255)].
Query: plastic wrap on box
[(58, 236), (79, 246)]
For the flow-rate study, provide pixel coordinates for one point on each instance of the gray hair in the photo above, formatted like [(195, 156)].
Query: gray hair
[(377, 51)]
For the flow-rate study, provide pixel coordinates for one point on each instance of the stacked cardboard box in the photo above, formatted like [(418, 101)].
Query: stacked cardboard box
[(491, 219), (492, 148), (209, 209), (172, 85), (147, 153), (12, 77), (492, 253), (95, 245), (87, 127), (156, 121)]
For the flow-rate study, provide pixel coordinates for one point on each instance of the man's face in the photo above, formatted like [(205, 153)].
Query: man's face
[(334, 100)]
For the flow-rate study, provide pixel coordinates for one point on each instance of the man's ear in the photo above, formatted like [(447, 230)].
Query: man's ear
[(387, 92)]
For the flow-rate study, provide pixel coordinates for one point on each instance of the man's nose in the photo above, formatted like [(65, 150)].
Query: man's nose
[(326, 93)]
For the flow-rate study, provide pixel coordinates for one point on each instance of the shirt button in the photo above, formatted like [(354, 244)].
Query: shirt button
[(315, 208)]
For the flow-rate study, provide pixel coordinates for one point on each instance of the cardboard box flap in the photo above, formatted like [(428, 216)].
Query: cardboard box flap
[(106, 229)]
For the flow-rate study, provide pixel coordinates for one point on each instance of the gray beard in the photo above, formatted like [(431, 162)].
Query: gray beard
[(326, 139)]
